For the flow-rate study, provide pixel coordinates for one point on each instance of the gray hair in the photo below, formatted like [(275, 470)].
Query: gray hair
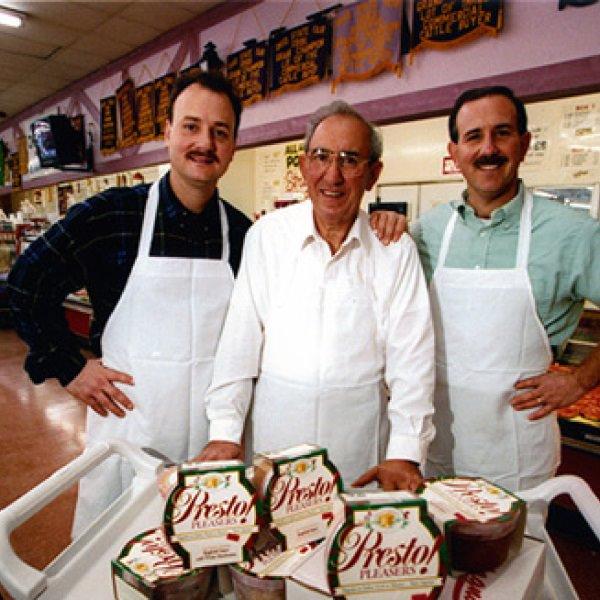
[(339, 107)]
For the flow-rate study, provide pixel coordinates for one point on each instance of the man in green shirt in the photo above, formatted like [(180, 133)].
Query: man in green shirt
[(508, 278)]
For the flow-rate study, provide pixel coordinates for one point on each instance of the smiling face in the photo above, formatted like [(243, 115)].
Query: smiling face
[(489, 151), (335, 195), (200, 140)]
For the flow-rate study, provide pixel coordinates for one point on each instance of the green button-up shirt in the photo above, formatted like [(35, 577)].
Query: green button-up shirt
[(564, 256)]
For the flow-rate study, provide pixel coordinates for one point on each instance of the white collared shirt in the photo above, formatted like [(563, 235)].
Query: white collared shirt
[(285, 244)]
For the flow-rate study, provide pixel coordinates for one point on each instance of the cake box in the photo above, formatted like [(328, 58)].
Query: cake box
[(387, 547), (147, 567), (211, 516), (483, 523), (300, 490)]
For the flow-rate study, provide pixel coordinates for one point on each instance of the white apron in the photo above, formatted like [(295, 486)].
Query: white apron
[(489, 336), (164, 332), (321, 372)]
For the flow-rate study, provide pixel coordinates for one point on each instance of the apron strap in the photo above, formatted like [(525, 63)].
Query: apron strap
[(524, 232), (446, 239), (224, 231), (149, 220)]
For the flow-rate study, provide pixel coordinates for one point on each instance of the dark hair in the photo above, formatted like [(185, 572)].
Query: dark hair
[(484, 92), (214, 82), (339, 107)]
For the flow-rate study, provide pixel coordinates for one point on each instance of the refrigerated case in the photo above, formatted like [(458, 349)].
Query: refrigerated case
[(583, 198)]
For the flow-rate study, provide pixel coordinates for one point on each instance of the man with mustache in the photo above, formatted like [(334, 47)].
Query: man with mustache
[(508, 278), (158, 263)]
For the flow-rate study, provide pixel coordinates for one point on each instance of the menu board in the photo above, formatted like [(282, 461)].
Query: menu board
[(126, 113), (444, 23), (2, 162), (247, 71), (162, 92), (144, 103), (15, 171), (300, 56), (108, 125)]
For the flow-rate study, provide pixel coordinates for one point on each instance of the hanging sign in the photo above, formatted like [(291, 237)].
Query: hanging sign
[(162, 93), (2, 161), (126, 113), (144, 114), (15, 170), (108, 125), (300, 56), (247, 71), (446, 23), (367, 40)]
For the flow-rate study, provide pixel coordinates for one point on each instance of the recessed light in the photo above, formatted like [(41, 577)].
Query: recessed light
[(11, 19)]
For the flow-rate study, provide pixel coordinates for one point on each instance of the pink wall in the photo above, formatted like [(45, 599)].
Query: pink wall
[(541, 52)]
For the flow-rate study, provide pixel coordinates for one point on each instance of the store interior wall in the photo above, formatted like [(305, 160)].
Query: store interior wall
[(565, 150), (534, 34)]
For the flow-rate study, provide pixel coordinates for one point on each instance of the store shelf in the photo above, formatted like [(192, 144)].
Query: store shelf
[(581, 434)]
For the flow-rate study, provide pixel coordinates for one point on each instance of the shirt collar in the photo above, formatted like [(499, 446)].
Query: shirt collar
[(308, 231), (175, 210), (509, 212)]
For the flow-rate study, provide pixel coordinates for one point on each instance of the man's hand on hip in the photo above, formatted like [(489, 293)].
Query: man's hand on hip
[(94, 387), (220, 450), (388, 225), (547, 392), (393, 474)]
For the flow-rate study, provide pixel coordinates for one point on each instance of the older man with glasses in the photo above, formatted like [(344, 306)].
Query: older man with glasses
[(329, 331)]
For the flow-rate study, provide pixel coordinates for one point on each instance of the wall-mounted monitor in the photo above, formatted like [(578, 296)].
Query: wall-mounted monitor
[(57, 141)]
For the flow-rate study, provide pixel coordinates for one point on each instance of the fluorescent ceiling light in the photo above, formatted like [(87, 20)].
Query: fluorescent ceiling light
[(10, 19)]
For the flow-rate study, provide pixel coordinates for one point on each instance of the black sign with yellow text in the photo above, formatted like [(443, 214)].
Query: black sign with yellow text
[(108, 125), (247, 71), (300, 56), (162, 93), (445, 23)]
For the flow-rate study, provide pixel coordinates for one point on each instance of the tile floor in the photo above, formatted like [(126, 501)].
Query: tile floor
[(41, 429)]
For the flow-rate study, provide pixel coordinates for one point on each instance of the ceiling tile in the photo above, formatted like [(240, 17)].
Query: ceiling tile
[(119, 29), (60, 69), (17, 46), (42, 76), (77, 58), (47, 32), (168, 16), (19, 63), (82, 36), (95, 43), (81, 16)]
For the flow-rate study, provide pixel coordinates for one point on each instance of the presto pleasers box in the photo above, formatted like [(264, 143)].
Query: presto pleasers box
[(211, 517), (300, 490), (483, 523), (387, 547), (147, 567)]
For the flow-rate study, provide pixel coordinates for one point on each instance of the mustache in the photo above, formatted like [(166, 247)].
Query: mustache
[(496, 160), (206, 153)]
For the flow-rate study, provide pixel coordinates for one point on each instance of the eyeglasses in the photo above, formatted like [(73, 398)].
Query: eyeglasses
[(320, 159)]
